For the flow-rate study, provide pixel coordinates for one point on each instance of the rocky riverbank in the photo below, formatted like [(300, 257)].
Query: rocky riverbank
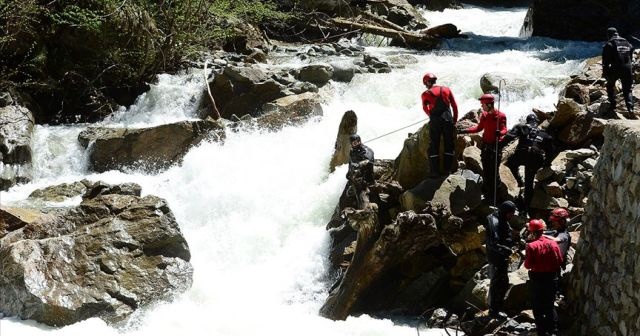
[(418, 245)]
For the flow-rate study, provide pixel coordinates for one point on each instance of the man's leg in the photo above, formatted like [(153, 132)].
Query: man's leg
[(449, 147), (626, 77), (498, 288), (435, 132), (611, 93), (533, 164), (537, 302)]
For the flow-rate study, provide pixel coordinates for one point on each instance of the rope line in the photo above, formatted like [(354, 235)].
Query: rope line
[(399, 129)]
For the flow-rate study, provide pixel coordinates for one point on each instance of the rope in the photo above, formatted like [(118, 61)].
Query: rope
[(496, 171), (399, 129)]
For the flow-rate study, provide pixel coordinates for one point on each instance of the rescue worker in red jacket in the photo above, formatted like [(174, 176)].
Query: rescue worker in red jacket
[(543, 260), (494, 124), (440, 105)]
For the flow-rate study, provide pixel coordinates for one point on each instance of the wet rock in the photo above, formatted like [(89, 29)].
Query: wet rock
[(16, 132), (583, 128), (460, 193), (318, 74), (12, 219), (59, 193), (290, 110), (402, 59), (242, 90), (342, 148), (343, 71), (568, 110), (411, 164), (148, 148), (378, 250), (578, 92), (448, 30), (107, 257), (472, 159), (512, 85)]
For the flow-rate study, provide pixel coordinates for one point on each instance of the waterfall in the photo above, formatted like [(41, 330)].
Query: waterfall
[(254, 209)]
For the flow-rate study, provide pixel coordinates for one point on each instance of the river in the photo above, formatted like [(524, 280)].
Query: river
[(254, 209)]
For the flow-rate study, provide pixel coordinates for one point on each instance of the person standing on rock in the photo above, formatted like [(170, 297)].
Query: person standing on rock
[(360, 173), (617, 55), (534, 151), (558, 219), (543, 259), (441, 107), (499, 242), (494, 124)]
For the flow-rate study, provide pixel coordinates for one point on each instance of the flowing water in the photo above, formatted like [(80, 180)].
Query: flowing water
[(254, 209)]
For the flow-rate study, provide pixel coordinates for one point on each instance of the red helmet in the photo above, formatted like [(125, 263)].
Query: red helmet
[(536, 225), (559, 213), (429, 77), (487, 98)]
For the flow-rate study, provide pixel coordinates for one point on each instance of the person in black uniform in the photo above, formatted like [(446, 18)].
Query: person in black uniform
[(617, 56), (360, 173), (499, 243), (534, 151)]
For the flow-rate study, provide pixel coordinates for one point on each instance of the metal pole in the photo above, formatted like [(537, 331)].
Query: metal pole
[(496, 166)]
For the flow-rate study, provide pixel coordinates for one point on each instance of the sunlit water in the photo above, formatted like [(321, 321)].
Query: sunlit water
[(254, 209)]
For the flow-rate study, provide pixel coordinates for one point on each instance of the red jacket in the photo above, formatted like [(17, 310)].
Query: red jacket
[(543, 255), (430, 96), (489, 122)]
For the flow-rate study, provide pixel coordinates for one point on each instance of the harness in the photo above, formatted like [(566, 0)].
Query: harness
[(441, 109)]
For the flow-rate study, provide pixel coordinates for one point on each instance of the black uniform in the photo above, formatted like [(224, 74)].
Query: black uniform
[(499, 243), (617, 56), (361, 162), (534, 151)]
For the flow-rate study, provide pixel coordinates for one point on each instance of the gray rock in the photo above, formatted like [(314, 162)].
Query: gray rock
[(318, 74), (343, 71), (147, 148), (59, 192), (107, 257)]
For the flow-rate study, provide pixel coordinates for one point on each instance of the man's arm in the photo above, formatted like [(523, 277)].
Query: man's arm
[(454, 106)]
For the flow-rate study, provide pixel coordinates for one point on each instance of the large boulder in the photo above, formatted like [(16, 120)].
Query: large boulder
[(290, 110), (583, 128), (567, 111), (243, 90), (380, 249), (513, 86), (114, 253), (577, 20), (411, 165), (461, 193), (318, 74), (150, 148), (400, 12), (16, 132)]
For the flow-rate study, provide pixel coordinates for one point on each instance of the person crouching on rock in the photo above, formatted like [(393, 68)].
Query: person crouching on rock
[(543, 260), (494, 124), (360, 173), (499, 243), (438, 103)]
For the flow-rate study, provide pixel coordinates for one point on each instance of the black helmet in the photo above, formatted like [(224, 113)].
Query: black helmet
[(532, 119), (354, 137), (611, 31), (507, 207)]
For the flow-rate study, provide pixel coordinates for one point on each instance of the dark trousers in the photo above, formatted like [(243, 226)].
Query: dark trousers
[(439, 128), (625, 75), (543, 287), (532, 159), (498, 272), (489, 177)]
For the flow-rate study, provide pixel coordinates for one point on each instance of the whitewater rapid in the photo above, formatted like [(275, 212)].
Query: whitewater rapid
[(254, 209)]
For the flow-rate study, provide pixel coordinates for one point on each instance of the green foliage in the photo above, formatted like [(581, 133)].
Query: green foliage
[(105, 44), (75, 16)]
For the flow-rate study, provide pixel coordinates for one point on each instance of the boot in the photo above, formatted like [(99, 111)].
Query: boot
[(448, 164)]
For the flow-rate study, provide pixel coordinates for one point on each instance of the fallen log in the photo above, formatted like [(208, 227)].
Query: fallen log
[(410, 39)]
